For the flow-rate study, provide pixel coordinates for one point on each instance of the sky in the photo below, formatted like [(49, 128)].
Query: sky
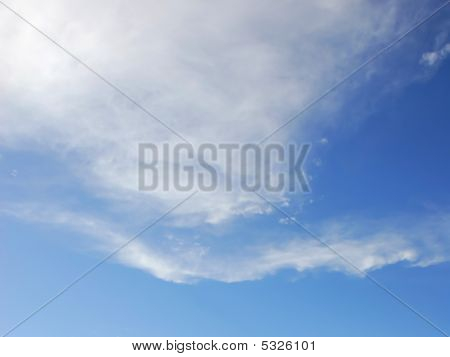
[(225, 263)]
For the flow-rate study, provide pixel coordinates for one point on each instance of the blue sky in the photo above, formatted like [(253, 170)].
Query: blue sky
[(225, 263)]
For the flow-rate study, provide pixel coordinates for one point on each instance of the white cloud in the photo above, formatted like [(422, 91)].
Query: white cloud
[(368, 245), (435, 57), (285, 220), (214, 71)]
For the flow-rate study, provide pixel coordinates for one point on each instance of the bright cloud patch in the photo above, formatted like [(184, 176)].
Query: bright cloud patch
[(187, 260), (434, 57), (215, 71)]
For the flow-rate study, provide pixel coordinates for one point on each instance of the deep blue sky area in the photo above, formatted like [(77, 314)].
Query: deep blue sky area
[(397, 159)]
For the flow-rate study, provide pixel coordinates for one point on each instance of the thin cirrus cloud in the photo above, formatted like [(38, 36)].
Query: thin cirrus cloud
[(433, 58), (214, 71), (184, 261)]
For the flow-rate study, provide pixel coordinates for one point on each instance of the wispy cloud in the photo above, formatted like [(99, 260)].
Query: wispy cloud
[(233, 74), (435, 57), (369, 245)]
